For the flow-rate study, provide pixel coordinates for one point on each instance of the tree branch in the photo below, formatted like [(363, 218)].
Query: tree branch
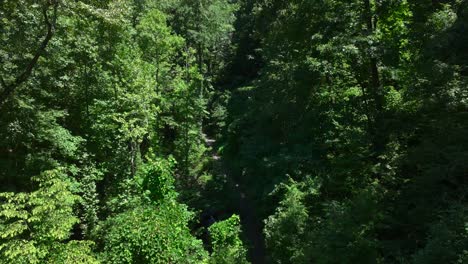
[(8, 89)]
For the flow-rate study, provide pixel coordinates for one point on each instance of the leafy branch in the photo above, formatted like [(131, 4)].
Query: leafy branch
[(8, 89)]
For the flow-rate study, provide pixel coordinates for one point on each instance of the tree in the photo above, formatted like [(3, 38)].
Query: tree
[(227, 246), (36, 226), (291, 217), (50, 23), (152, 234)]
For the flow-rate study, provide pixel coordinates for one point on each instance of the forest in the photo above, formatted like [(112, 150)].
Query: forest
[(234, 131)]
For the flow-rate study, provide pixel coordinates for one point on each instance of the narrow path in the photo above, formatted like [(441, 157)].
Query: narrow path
[(251, 223)]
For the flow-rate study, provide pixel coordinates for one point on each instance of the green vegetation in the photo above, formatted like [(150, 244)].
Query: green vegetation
[(233, 131)]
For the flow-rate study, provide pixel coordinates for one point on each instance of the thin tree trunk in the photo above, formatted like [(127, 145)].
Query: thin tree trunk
[(375, 88)]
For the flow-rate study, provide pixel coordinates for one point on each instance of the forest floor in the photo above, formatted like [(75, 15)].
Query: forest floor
[(251, 224)]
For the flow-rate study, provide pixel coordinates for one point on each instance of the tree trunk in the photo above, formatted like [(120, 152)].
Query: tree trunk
[(375, 88)]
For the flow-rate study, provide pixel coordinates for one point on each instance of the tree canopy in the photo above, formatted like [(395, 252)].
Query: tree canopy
[(233, 131)]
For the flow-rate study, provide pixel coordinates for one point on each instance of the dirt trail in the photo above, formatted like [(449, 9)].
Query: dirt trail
[(251, 223)]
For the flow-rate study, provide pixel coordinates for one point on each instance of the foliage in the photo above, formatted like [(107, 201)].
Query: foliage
[(341, 123), (157, 180), (152, 234), (366, 96), (35, 226), (290, 218), (227, 246)]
